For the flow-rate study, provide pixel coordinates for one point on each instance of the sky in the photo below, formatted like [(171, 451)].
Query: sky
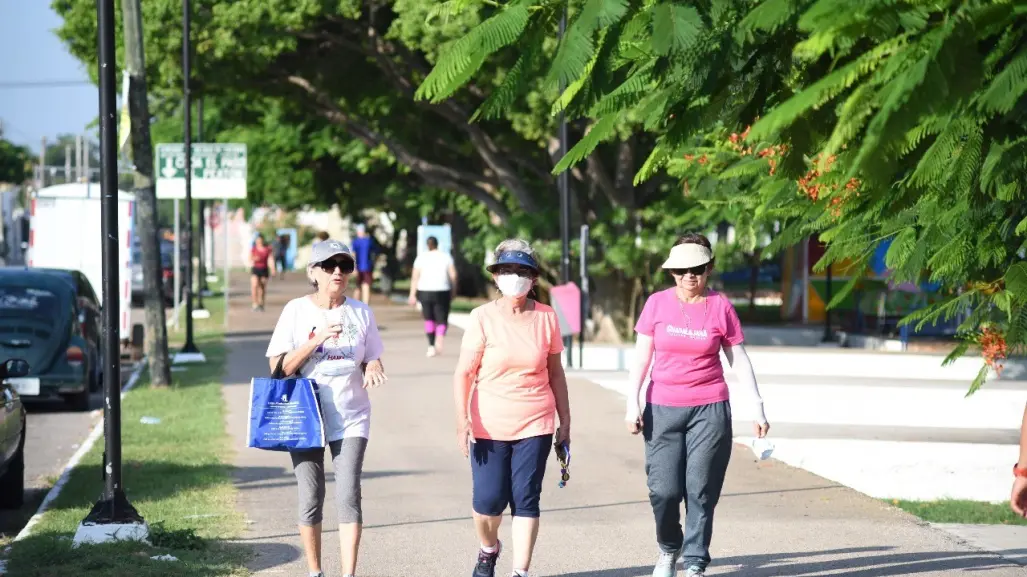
[(31, 112)]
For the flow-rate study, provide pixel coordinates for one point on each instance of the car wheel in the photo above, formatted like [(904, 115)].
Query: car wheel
[(12, 483)]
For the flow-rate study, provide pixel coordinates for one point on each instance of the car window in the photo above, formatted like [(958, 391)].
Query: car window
[(24, 302)]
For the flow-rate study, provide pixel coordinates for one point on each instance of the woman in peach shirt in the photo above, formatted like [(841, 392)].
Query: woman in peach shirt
[(510, 388)]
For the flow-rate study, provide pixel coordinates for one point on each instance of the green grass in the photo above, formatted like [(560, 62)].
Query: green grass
[(957, 511), (175, 473)]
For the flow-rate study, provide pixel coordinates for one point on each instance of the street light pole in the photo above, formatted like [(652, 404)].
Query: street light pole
[(189, 347), (565, 211), (112, 511), (202, 276)]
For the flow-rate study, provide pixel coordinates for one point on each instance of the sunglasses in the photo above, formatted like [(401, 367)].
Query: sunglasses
[(696, 270), (330, 265), (521, 271), (563, 455)]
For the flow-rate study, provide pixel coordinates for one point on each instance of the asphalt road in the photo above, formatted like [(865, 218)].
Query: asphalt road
[(54, 433)]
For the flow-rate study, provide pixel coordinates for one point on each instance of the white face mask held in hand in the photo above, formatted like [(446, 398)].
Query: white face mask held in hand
[(512, 285), (762, 447)]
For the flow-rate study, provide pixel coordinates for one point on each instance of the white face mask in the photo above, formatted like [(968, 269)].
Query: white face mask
[(512, 285)]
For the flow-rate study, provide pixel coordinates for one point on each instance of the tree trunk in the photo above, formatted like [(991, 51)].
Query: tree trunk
[(616, 302), (146, 197), (754, 274)]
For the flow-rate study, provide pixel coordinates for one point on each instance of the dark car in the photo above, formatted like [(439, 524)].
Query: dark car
[(51, 318), (167, 264), (12, 435)]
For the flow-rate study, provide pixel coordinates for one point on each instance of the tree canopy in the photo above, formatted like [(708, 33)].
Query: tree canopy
[(858, 122), (15, 162), (324, 95)]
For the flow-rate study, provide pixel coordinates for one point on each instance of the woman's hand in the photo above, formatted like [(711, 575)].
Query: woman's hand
[(327, 332), (563, 434), (374, 374), (412, 301), (634, 427), (760, 429), (464, 438)]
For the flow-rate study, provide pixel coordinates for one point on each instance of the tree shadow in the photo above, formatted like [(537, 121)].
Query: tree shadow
[(855, 562), (143, 482), (251, 478)]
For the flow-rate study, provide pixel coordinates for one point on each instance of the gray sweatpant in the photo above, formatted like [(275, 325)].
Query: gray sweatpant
[(687, 450), (348, 462)]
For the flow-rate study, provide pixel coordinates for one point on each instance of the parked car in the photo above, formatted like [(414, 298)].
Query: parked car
[(167, 261), (51, 318), (12, 436)]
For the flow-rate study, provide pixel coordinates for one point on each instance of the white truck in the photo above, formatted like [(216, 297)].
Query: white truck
[(65, 233)]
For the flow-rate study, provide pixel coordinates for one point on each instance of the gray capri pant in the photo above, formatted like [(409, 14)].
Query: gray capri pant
[(348, 461)]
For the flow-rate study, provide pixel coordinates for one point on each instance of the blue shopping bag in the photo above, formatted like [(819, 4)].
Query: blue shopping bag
[(285, 413)]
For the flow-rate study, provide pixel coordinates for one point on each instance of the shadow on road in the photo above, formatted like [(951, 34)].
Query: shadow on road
[(12, 521), (856, 562)]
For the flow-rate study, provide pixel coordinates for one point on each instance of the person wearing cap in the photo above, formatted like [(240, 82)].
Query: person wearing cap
[(510, 390), (685, 413), (333, 340)]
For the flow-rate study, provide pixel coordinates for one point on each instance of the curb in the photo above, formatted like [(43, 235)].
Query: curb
[(86, 446)]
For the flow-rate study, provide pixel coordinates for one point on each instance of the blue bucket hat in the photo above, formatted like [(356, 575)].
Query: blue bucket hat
[(514, 257)]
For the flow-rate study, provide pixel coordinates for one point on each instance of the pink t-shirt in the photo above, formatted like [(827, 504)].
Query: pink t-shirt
[(511, 398), (687, 339)]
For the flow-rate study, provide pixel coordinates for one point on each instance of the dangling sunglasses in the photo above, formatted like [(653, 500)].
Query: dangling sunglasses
[(563, 455), (330, 265), (696, 270)]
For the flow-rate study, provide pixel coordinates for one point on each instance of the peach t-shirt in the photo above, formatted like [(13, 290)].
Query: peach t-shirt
[(511, 398)]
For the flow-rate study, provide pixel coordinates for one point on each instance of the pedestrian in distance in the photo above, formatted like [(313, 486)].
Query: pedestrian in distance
[(366, 251), (685, 413), (510, 389), (1018, 500), (262, 266), (433, 284), (281, 254), (333, 340)]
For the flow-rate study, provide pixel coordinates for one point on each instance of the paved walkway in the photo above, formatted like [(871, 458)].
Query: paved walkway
[(773, 519)]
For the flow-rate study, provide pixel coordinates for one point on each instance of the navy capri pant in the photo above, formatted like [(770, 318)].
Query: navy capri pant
[(509, 473)]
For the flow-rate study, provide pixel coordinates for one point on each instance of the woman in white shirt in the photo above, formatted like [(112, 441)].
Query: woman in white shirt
[(334, 341), (434, 285)]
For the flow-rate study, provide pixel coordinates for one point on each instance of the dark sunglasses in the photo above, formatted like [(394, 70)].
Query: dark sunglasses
[(563, 455), (518, 270), (696, 270), (330, 265)]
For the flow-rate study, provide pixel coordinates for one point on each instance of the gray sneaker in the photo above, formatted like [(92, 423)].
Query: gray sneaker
[(695, 571), (666, 564)]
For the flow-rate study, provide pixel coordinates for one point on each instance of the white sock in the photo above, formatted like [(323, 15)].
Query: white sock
[(491, 549)]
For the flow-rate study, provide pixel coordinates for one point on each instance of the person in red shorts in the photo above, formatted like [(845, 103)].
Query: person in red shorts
[(262, 266)]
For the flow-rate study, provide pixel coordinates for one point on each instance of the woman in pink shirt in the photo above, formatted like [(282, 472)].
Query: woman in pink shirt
[(509, 389), (685, 415)]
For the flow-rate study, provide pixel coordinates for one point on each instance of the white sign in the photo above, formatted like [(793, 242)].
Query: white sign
[(218, 171)]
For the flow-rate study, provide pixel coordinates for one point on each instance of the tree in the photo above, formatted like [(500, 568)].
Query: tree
[(15, 162), (872, 121), (146, 196)]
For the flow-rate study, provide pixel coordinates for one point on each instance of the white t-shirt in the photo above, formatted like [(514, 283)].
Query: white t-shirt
[(335, 365), (434, 266)]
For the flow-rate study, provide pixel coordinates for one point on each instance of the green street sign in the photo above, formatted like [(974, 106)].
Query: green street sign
[(219, 170)]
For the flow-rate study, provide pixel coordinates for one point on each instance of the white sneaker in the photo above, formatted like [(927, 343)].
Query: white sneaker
[(666, 564), (431, 352), (695, 571)]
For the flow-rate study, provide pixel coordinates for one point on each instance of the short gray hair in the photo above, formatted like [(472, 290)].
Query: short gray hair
[(515, 244)]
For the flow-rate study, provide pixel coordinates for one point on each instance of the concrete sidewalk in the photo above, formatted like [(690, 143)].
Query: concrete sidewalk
[(773, 519)]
